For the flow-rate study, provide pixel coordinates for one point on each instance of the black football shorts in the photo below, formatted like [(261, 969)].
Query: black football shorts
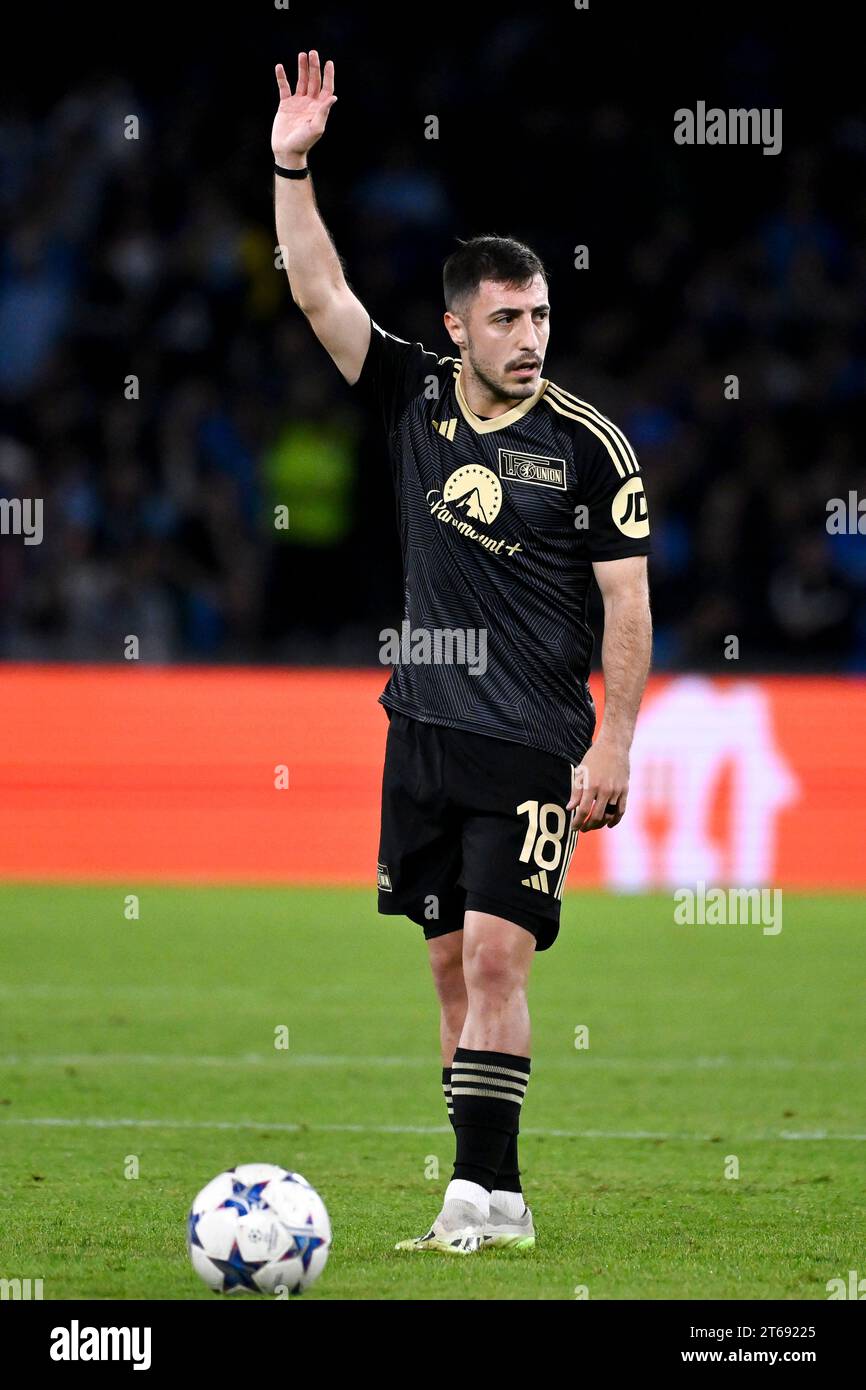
[(472, 822)]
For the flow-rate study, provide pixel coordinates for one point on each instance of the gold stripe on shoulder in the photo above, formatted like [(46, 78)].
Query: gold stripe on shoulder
[(584, 409), (593, 428)]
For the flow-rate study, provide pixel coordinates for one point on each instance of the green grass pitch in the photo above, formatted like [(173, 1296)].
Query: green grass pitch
[(154, 1039)]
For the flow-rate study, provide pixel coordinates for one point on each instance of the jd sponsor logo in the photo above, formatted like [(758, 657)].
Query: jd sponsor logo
[(437, 646), (532, 468), (77, 1343), (629, 510)]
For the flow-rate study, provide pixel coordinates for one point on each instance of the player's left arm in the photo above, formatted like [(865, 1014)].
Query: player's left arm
[(602, 778)]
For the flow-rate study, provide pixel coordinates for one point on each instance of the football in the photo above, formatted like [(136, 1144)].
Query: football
[(258, 1229)]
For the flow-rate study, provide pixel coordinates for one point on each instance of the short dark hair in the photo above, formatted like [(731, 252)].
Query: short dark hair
[(499, 258)]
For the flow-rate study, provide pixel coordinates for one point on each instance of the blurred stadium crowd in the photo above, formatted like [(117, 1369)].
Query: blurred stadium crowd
[(154, 259)]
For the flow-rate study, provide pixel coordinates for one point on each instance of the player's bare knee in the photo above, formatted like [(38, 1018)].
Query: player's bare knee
[(489, 968), (446, 963)]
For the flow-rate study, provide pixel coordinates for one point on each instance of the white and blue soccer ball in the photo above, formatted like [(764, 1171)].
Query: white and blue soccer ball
[(258, 1229)]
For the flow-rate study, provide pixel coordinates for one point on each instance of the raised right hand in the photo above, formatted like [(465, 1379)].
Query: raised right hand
[(300, 120)]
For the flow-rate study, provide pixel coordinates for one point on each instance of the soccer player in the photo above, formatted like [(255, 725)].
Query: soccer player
[(511, 494)]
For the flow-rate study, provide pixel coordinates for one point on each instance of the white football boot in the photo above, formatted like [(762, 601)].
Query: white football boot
[(503, 1232), (457, 1230)]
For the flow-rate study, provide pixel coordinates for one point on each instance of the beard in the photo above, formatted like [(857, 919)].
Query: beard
[(500, 388)]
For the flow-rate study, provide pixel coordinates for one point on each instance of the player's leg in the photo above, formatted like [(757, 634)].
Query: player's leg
[(497, 957), (509, 1222), (517, 846), (489, 1075), (419, 863), (446, 964), (496, 786)]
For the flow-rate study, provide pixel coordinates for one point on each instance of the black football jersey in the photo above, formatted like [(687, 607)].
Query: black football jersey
[(499, 521)]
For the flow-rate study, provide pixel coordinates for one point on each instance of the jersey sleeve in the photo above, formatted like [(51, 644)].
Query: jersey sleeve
[(613, 494), (394, 371)]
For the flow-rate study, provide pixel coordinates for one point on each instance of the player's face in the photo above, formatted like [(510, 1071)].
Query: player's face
[(506, 332)]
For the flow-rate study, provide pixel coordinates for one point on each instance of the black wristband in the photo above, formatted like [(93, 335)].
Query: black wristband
[(292, 173)]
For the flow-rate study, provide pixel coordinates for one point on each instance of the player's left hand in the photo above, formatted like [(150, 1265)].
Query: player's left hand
[(599, 787)]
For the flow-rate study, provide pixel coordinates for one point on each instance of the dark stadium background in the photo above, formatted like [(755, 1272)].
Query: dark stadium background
[(155, 257)]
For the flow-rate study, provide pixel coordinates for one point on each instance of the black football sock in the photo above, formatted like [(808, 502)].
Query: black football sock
[(446, 1090), (487, 1090), (508, 1177)]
